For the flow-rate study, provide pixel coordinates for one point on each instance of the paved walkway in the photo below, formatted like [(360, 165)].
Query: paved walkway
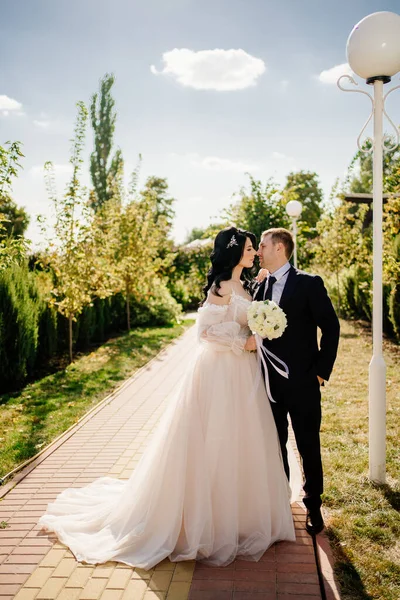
[(110, 440)]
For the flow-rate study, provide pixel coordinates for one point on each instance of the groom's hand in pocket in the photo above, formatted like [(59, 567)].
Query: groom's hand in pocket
[(250, 345)]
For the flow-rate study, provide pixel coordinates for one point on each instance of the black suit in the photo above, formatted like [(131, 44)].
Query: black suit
[(307, 306)]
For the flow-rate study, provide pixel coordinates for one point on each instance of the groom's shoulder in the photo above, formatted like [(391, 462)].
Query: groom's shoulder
[(307, 277)]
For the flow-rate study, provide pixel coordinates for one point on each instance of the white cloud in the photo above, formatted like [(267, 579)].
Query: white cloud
[(220, 70), (333, 74), (215, 163), (9, 104)]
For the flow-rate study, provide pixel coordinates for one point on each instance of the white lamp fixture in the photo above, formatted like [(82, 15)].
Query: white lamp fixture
[(373, 47), (293, 209), (373, 53)]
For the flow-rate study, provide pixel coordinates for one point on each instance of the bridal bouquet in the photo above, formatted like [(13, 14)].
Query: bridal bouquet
[(267, 319)]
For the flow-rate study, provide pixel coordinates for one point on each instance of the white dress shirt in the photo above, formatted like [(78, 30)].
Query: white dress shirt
[(281, 275)]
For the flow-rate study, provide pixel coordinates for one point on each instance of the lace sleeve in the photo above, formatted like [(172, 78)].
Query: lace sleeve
[(213, 329)]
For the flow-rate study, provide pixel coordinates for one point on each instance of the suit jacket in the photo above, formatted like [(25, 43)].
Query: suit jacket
[(308, 307)]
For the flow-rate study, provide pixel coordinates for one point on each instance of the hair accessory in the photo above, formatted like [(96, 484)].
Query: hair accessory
[(232, 242)]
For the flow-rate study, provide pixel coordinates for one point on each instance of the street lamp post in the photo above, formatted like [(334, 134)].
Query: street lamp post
[(293, 209), (373, 52)]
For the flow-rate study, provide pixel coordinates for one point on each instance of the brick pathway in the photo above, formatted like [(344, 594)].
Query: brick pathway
[(110, 441)]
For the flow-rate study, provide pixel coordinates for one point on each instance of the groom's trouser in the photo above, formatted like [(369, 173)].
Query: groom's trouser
[(303, 404)]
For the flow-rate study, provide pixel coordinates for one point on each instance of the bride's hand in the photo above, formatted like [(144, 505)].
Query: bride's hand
[(261, 275), (250, 345)]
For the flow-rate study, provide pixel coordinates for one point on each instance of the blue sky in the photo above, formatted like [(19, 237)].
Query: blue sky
[(199, 117)]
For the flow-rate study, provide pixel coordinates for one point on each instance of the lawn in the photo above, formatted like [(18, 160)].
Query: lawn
[(32, 418), (363, 518)]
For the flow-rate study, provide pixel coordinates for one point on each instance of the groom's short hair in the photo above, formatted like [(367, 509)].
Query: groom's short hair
[(279, 234)]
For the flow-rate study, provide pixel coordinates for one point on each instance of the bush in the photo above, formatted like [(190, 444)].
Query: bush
[(159, 308), (47, 334), (96, 322), (48, 321), (19, 310), (355, 300), (32, 332), (357, 293), (189, 274)]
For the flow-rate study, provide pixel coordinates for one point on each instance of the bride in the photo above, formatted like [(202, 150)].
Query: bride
[(211, 484)]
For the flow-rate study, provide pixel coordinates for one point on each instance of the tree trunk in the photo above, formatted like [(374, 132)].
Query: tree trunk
[(128, 310), (70, 338), (338, 293)]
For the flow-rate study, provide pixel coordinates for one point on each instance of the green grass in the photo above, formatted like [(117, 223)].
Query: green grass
[(33, 417), (363, 518)]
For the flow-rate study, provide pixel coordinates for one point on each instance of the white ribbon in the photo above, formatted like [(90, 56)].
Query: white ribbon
[(266, 355)]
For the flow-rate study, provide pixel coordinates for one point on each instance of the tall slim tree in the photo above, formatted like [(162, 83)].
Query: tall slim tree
[(9, 165), (13, 248), (103, 167), (80, 273)]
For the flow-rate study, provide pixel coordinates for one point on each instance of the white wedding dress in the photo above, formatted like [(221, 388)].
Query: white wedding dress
[(210, 485)]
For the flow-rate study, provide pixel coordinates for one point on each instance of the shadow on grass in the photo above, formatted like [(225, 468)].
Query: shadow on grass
[(348, 335), (391, 495), (347, 575)]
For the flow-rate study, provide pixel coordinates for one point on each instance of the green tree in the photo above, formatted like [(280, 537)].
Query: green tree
[(391, 246), (341, 243), (155, 196), (188, 274), (12, 248), (103, 168), (9, 165), (258, 208), (137, 252), (16, 219), (73, 253), (197, 233), (156, 192), (359, 176), (132, 230), (304, 186)]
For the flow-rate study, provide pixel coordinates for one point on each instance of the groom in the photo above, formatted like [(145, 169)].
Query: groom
[(306, 303)]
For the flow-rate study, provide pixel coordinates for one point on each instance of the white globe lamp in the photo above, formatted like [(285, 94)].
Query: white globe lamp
[(373, 47), (293, 209)]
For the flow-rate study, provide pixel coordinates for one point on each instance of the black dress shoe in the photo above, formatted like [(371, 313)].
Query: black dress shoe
[(314, 521)]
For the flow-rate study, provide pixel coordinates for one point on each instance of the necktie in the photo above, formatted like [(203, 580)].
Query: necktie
[(268, 293)]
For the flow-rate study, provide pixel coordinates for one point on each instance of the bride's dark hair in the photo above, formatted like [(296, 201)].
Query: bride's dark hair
[(228, 250)]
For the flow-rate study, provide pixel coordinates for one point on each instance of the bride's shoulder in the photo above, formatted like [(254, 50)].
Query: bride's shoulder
[(222, 296)]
